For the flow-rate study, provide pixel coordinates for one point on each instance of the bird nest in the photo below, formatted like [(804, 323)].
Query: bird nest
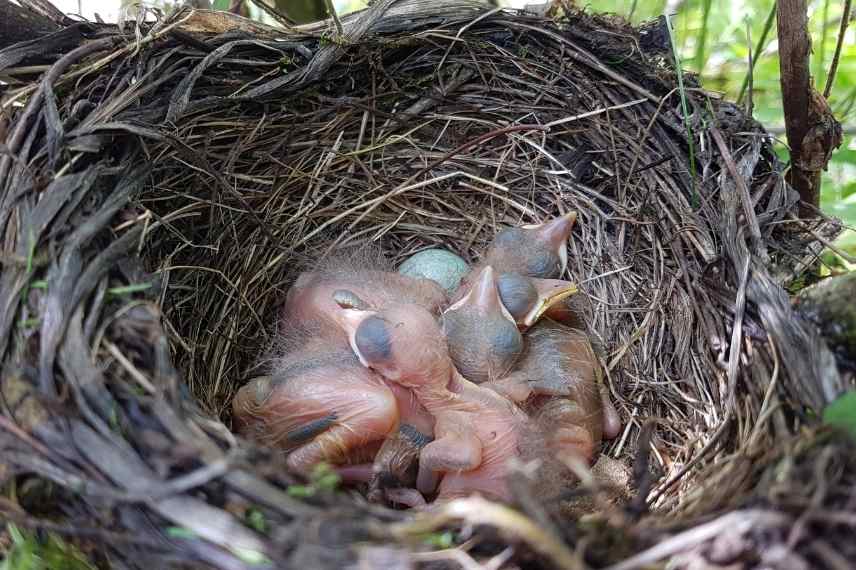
[(161, 186)]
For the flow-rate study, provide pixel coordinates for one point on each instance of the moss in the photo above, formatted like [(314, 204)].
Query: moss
[(256, 520), (322, 480), (842, 413), (30, 551)]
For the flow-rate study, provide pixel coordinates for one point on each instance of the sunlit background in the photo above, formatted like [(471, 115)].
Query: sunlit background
[(108, 10), (712, 38)]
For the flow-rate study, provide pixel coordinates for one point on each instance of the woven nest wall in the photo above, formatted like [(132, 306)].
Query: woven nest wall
[(162, 187)]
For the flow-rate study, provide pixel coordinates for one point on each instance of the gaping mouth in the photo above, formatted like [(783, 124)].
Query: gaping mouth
[(550, 292)]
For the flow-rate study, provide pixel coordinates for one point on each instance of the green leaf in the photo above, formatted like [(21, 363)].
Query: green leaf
[(17, 538), (324, 478), (251, 556), (180, 532), (842, 413), (256, 520), (27, 552), (844, 155), (129, 289), (300, 491), (441, 540)]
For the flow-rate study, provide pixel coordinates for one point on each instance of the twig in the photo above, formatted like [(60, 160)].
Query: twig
[(742, 191), (558, 122), (478, 511), (332, 11), (750, 104), (12, 428), (130, 368), (768, 395), (844, 255), (736, 522), (759, 47), (795, 81), (679, 73), (274, 13), (842, 31)]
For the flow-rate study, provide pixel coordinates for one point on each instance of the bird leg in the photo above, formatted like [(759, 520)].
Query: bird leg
[(395, 466), (513, 387), (361, 473), (456, 450), (570, 429), (331, 446), (407, 497)]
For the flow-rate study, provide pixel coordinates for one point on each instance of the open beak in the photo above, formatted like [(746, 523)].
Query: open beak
[(550, 292)]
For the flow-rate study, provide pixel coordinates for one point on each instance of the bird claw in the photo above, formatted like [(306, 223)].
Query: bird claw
[(405, 496)]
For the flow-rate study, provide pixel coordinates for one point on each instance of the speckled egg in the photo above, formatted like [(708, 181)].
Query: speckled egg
[(439, 265)]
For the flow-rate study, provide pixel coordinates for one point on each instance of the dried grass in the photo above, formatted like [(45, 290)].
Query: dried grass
[(160, 190)]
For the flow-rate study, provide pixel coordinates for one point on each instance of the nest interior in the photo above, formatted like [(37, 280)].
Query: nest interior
[(162, 188)]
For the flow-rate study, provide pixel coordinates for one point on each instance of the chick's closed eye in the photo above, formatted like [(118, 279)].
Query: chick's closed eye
[(517, 293), (372, 339), (543, 263)]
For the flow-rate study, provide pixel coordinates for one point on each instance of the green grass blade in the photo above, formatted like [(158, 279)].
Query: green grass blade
[(700, 55), (685, 110), (127, 289), (759, 47), (821, 49)]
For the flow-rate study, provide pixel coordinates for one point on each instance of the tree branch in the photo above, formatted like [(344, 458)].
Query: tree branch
[(812, 131), (830, 77), (794, 51)]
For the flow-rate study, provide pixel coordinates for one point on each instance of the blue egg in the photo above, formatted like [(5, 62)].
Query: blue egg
[(439, 265)]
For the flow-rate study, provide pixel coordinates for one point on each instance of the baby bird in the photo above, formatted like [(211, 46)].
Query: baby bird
[(558, 381), (532, 250), (527, 261), (476, 430), (483, 339), (483, 328), (392, 471), (554, 373), (311, 297), (319, 404)]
